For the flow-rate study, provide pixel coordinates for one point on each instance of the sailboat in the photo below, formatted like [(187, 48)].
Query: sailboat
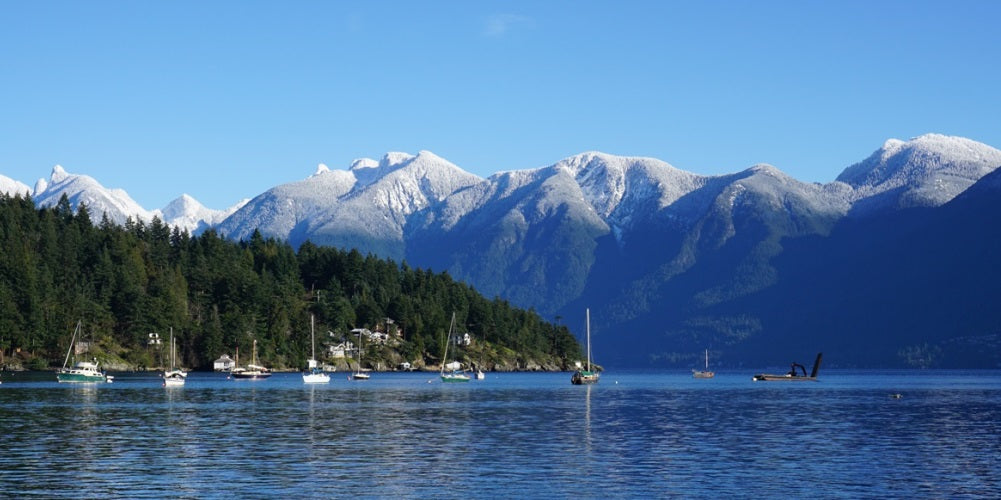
[(173, 377), (704, 373), (82, 371), (253, 371), (454, 374), (314, 374), (586, 375), (358, 374)]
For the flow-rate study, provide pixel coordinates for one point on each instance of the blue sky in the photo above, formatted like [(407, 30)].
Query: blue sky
[(225, 99)]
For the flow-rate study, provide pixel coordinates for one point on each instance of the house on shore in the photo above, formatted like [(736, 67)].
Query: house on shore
[(223, 364)]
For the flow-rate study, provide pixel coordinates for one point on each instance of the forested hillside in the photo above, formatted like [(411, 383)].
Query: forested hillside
[(125, 282)]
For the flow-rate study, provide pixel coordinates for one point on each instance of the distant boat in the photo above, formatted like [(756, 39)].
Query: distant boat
[(797, 373), (173, 377), (253, 371), (314, 374), (82, 371), (704, 373), (454, 375), (358, 374), (586, 375)]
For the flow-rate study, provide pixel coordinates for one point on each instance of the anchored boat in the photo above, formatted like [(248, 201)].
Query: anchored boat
[(82, 371), (313, 374), (454, 374), (704, 373), (797, 373), (253, 371), (175, 376), (586, 375)]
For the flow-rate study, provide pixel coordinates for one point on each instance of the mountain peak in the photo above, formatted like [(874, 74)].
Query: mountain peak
[(188, 200), (395, 158), (899, 161), (188, 213), (58, 174), (767, 169), (928, 170), (116, 203), (362, 163), (321, 169)]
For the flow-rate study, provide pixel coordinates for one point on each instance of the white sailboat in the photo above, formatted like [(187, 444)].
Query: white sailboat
[(313, 373), (454, 374), (173, 377), (253, 371), (585, 375), (704, 373), (358, 374)]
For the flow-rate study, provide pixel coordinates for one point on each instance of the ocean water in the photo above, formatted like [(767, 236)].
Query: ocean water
[(513, 435)]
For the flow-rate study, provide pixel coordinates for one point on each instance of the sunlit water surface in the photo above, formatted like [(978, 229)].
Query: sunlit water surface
[(512, 435)]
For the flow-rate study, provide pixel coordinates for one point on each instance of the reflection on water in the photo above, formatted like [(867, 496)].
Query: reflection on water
[(512, 435)]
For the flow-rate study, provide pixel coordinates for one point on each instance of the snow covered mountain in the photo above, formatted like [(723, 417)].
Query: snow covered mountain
[(187, 213), (116, 203), (365, 207), (926, 171), (12, 187)]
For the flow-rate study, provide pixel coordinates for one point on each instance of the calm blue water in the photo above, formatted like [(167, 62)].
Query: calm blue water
[(512, 435)]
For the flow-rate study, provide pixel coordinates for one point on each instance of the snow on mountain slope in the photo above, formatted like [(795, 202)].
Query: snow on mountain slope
[(339, 207), (378, 199), (116, 203), (279, 210), (784, 193), (12, 187), (926, 171), (615, 189), (386, 196), (188, 214), (613, 182)]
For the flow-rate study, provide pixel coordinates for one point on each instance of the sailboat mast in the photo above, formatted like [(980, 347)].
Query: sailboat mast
[(707, 359), (312, 336), (448, 340), (587, 314), (72, 341)]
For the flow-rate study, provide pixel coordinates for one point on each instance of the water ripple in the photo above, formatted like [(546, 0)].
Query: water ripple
[(513, 435)]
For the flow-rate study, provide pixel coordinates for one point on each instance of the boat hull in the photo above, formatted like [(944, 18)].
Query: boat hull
[(315, 378), (703, 374), (81, 378), (767, 377), (455, 378), (250, 376), (584, 377), (793, 375)]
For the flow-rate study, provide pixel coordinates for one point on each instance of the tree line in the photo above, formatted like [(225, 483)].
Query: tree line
[(126, 281)]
